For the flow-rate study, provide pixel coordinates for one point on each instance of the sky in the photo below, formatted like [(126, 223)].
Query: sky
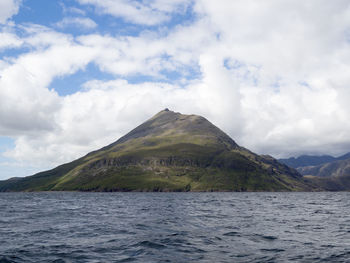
[(75, 75)]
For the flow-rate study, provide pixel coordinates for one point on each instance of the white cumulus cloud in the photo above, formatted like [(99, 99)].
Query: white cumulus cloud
[(8, 8), (27, 104)]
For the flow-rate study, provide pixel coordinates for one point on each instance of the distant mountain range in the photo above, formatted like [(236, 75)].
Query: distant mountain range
[(169, 152), (312, 160), (327, 172)]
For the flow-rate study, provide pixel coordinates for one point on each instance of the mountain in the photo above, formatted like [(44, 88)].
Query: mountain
[(307, 160), (169, 152), (330, 176), (332, 169), (311, 160)]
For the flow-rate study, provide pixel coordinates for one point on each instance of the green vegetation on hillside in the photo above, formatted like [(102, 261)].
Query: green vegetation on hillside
[(169, 152)]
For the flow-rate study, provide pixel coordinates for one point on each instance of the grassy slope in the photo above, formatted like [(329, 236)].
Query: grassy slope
[(43, 181), (209, 170), (170, 152)]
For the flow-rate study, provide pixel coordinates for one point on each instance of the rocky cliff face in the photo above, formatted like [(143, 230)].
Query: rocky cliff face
[(169, 152)]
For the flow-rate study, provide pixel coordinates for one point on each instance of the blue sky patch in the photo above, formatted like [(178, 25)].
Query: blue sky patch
[(67, 85)]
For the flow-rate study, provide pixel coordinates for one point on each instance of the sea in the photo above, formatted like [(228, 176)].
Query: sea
[(174, 227)]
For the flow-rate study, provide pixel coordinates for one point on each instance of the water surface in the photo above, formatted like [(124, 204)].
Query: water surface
[(174, 227)]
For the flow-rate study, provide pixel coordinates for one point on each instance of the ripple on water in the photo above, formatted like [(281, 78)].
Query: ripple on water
[(174, 227), (232, 234), (150, 244)]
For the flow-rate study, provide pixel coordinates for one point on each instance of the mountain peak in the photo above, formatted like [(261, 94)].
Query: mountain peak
[(186, 128)]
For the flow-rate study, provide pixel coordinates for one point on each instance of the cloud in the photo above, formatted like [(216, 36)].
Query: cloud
[(139, 12), (152, 54), (79, 22), (9, 40), (27, 103), (8, 8), (72, 9)]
